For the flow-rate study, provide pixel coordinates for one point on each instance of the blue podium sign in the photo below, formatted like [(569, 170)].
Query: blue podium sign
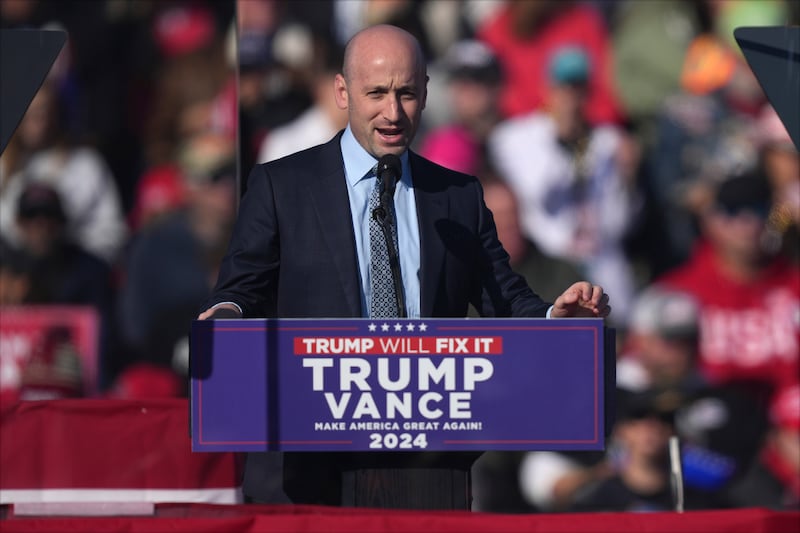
[(400, 384)]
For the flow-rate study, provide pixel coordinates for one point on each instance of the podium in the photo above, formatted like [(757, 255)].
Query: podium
[(392, 413)]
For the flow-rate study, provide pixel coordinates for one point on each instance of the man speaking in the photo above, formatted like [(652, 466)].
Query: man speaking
[(363, 227)]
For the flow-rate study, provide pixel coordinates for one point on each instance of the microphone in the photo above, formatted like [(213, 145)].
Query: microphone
[(389, 171)]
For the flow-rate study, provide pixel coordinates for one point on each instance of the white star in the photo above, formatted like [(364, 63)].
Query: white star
[(384, 327), (398, 327), (372, 327), (423, 327), (410, 327)]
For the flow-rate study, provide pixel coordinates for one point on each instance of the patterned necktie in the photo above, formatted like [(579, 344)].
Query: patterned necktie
[(383, 303)]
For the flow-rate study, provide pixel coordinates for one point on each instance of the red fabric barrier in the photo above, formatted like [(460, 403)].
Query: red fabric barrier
[(243, 518), (109, 450)]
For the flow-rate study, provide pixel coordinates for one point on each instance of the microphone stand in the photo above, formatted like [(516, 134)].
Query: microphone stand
[(382, 215)]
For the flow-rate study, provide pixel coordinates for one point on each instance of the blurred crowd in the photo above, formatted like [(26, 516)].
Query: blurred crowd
[(626, 142)]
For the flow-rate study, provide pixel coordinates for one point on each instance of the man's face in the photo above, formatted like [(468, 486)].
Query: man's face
[(738, 234), (384, 97)]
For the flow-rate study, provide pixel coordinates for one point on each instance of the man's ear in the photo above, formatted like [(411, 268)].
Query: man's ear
[(425, 91), (340, 91)]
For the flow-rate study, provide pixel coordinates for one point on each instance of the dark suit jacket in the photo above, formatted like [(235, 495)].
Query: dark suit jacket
[(293, 251), (293, 255)]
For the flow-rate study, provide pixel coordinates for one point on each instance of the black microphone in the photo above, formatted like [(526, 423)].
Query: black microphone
[(389, 171)]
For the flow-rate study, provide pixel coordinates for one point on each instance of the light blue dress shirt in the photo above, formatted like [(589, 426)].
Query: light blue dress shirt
[(358, 164)]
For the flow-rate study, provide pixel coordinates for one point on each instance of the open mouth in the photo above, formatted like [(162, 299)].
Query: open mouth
[(391, 135)]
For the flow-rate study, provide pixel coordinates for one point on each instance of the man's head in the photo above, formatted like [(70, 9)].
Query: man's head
[(41, 219), (568, 74), (475, 79), (383, 87), (736, 221), (663, 334)]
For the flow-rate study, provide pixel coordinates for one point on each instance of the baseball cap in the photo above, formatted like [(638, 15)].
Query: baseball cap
[(40, 200), (665, 312), (472, 60), (569, 65), (746, 192), (181, 29)]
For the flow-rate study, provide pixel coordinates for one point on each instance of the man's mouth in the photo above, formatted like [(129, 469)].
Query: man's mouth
[(391, 134)]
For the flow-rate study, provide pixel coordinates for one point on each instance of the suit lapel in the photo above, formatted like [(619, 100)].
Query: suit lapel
[(332, 207), (432, 205)]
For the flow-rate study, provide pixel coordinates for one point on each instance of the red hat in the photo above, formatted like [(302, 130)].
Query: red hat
[(160, 190), (182, 29)]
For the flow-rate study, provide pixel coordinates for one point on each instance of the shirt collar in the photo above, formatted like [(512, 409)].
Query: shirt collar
[(358, 162)]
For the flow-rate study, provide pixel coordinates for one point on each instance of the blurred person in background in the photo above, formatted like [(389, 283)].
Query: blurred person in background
[(573, 181), (773, 481), (320, 122), (779, 160), (749, 298), (270, 44), (635, 474), (41, 152), (638, 473), (474, 79), (61, 271), (526, 33), (171, 266)]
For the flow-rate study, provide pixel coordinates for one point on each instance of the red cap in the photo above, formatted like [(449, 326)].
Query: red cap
[(183, 29)]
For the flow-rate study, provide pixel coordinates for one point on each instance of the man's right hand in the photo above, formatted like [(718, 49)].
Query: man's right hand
[(222, 311)]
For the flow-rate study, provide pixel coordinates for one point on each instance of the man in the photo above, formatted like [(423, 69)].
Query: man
[(301, 244)]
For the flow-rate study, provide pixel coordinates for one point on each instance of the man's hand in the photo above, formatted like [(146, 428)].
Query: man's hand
[(224, 310), (582, 299)]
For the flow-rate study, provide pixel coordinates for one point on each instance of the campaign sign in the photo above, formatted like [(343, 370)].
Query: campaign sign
[(397, 384)]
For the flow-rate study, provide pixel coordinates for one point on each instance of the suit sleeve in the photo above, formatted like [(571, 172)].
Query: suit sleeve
[(503, 291), (249, 271)]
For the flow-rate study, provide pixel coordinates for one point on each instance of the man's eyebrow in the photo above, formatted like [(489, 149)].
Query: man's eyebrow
[(382, 87)]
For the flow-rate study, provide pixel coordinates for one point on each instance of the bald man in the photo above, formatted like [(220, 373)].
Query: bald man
[(301, 244)]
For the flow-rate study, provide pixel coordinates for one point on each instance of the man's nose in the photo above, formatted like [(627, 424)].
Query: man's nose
[(392, 111)]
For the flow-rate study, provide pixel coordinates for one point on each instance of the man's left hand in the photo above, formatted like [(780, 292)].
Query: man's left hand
[(581, 299)]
